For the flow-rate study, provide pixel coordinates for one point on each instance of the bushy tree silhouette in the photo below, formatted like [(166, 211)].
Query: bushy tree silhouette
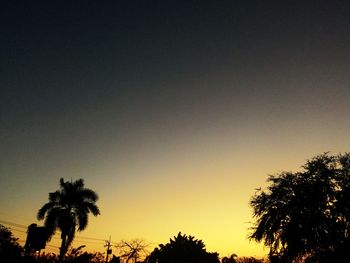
[(67, 210), (305, 215), (249, 260), (231, 259), (182, 249), (10, 250)]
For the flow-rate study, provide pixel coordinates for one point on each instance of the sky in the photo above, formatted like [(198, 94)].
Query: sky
[(174, 112)]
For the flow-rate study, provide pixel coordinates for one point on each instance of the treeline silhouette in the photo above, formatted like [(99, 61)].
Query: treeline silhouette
[(301, 216)]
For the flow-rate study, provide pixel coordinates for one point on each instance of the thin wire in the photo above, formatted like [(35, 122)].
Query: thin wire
[(25, 227), (91, 238), (13, 224), (13, 229), (88, 242)]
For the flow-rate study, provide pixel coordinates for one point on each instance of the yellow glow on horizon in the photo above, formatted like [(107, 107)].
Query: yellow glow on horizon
[(200, 190)]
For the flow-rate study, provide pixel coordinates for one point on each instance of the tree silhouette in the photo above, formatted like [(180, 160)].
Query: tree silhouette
[(249, 260), (77, 255), (235, 259), (231, 259), (10, 250), (132, 250), (305, 214), (67, 210), (183, 249)]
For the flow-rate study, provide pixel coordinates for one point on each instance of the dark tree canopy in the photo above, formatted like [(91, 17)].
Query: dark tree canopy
[(306, 214), (231, 259), (67, 210), (183, 249), (10, 250)]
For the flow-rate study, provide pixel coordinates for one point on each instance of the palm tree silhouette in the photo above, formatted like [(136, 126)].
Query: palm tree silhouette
[(68, 209)]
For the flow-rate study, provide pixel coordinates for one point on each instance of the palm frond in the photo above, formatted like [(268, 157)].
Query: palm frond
[(82, 221), (51, 221), (88, 194), (62, 183), (55, 196), (44, 209), (78, 184), (92, 208)]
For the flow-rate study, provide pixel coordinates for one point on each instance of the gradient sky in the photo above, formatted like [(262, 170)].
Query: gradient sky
[(173, 111)]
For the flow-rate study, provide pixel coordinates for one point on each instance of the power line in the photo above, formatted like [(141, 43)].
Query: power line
[(79, 239), (17, 230), (52, 246), (88, 242), (91, 238), (13, 224)]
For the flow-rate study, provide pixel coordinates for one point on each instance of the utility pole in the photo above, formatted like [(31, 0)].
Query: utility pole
[(109, 250)]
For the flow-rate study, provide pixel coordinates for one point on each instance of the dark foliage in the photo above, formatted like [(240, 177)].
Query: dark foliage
[(235, 259), (231, 259), (249, 260), (183, 249), (67, 210), (74, 255), (306, 215), (10, 250)]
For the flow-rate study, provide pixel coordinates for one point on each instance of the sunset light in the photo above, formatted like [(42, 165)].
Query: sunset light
[(173, 112)]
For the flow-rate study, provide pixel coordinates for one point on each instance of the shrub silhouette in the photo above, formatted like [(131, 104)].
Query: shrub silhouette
[(182, 249), (231, 259)]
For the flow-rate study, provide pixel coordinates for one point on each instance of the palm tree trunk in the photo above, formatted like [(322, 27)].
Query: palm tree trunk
[(63, 247)]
